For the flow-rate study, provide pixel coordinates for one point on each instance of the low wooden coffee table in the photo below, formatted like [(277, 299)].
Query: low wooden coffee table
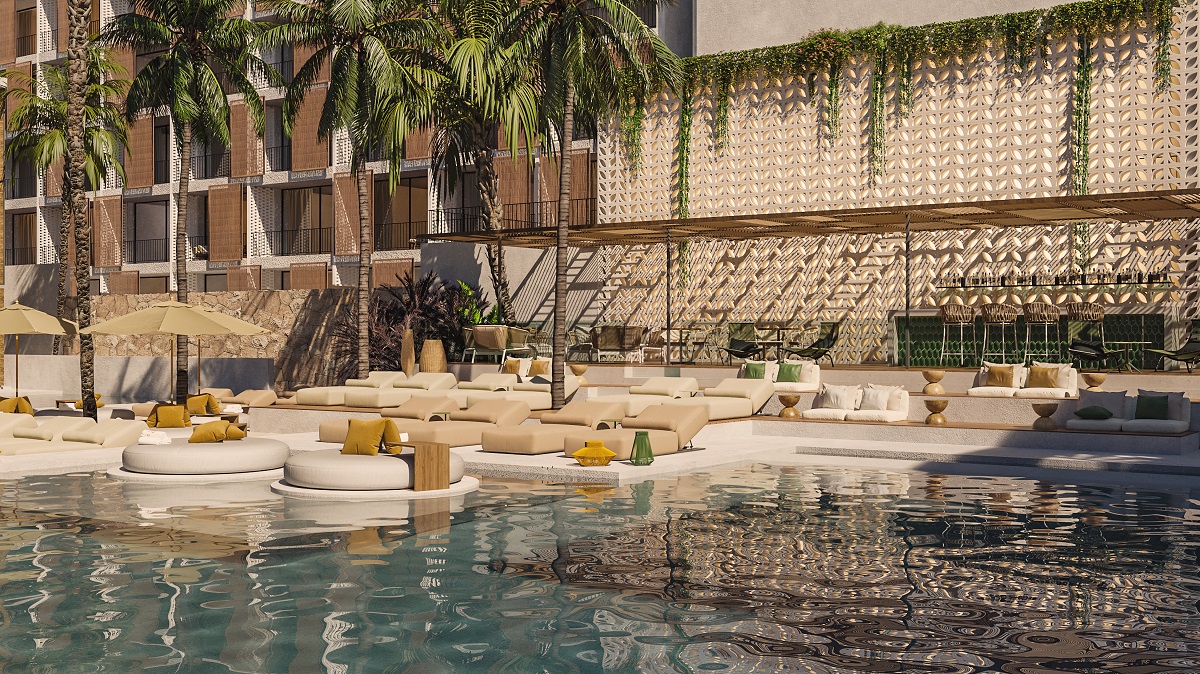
[(431, 464)]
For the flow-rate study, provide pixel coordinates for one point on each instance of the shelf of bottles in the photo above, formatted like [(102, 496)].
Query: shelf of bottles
[(1160, 279)]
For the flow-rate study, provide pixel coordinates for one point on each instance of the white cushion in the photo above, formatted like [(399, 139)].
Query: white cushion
[(796, 387), (674, 387), (825, 414), (1155, 426), (992, 392), (889, 416), (330, 469), (1043, 393), (897, 397), (874, 400), (247, 455), (839, 397)]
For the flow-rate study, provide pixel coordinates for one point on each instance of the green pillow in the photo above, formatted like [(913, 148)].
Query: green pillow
[(755, 370), (790, 372), (1095, 413), (1151, 407)]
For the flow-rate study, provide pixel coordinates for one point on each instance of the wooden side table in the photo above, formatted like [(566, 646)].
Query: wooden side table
[(789, 402), (431, 464)]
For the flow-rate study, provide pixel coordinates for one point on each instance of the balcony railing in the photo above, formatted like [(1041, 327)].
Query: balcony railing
[(211, 165), (398, 235), (537, 214), (146, 250), (198, 247), (21, 255), (300, 241), (284, 68), (21, 186), (279, 158), (162, 171), (26, 45)]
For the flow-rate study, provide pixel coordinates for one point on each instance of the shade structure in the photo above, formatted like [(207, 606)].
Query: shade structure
[(17, 319), (175, 318)]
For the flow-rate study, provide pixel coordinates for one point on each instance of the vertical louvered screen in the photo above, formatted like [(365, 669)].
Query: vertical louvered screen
[(548, 178), (243, 277), (8, 32), (124, 283), (300, 56), (583, 175), (139, 160), (418, 144), (309, 153), (345, 212), (309, 276), (108, 219), (390, 272), (54, 179), (226, 223), (60, 28), (245, 153), (514, 179)]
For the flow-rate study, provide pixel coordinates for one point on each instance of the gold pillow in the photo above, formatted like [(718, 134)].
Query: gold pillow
[(24, 406), (364, 437), (213, 431), (1042, 377), (168, 416), (203, 404), (539, 366), (512, 366), (1000, 375), (16, 405), (79, 403), (234, 432)]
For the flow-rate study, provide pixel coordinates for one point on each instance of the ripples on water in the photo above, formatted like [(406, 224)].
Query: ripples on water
[(748, 570)]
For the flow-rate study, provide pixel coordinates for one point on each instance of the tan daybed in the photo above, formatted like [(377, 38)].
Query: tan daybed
[(655, 391), (731, 399), (247, 455), (480, 387), (535, 394), (70, 437), (670, 429), (332, 470), (326, 396), (549, 436), (10, 422), (399, 391), (464, 427)]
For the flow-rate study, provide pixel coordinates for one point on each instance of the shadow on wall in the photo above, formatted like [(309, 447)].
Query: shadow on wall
[(34, 286), (306, 359)]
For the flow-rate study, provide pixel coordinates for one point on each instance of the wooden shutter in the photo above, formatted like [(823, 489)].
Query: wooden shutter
[(309, 276), (583, 188), (300, 56), (124, 282), (243, 277), (54, 179), (139, 161), (245, 153), (108, 231), (514, 178), (418, 144), (61, 29), (390, 272), (8, 32), (226, 223), (345, 211), (309, 153)]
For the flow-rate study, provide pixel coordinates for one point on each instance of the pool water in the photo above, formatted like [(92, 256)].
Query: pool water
[(755, 569)]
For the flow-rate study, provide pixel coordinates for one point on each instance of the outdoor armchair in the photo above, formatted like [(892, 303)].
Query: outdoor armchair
[(1188, 354), (826, 341)]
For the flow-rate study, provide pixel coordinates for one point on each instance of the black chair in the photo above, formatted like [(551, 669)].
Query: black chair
[(1090, 351), (1188, 354), (826, 341), (743, 342)]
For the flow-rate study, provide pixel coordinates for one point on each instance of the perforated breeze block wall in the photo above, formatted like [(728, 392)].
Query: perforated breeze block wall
[(976, 132)]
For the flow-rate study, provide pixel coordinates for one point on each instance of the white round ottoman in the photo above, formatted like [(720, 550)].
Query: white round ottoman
[(330, 469), (248, 455)]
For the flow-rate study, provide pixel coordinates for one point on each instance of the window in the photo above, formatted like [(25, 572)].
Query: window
[(23, 179), (285, 281), (215, 283), (152, 284), (26, 32), (147, 241), (20, 241), (402, 215), (279, 145), (307, 225), (162, 154)]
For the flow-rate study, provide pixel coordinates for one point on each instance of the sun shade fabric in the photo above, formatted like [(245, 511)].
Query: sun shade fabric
[(174, 318), (213, 431), (18, 319), (168, 416), (108, 230)]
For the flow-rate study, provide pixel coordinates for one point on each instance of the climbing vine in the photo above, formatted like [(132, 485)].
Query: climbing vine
[(1081, 123), (683, 157), (632, 118), (720, 127)]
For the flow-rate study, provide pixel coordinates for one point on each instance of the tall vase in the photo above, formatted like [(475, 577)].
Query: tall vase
[(642, 454), (408, 353), (433, 356)]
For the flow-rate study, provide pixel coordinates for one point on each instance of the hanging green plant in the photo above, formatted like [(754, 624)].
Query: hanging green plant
[(720, 128), (833, 101), (632, 119), (683, 154), (1081, 116), (1162, 18), (876, 132), (683, 261)]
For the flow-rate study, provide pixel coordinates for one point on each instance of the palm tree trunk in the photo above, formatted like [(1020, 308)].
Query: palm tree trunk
[(493, 213), (364, 266), (66, 228), (557, 383), (78, 15), (181, 276)]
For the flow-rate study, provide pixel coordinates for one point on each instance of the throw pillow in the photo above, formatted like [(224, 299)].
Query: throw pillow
[(1175, 401), (512, 366), (875, 399), (538, 366), (1113, 401), (16, 405), (1000, 375), (1064, 372), (1094, 413), (1019, 372), (755, 369), (203, 404), (1151, 407), (234, 432), (790, 372), (79, 403), (168, 416), (213, 431), (1042, 377), (840, 397), (893, 395), (364, 437)]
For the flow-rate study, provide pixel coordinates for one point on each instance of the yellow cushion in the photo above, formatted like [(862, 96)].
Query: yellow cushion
[(79, 403), (1042, 377), (1000, 375), (364, 437), (539, 366), (391, 437), (512, 366), (202, 404), (168, 416), (234, 432), (16, 405), (213, 431)]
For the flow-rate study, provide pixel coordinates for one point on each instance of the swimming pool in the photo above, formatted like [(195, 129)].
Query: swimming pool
[(760, 568)]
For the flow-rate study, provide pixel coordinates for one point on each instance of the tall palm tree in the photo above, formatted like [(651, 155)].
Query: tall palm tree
[(485, 85), (584, 50), (377, 50), (40, 120), (200, 54)]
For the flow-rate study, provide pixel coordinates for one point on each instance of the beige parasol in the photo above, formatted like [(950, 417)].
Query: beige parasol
[(17, 319), (175, 318)]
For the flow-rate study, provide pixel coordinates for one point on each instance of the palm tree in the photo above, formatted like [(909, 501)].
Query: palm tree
[(584, 50), (40, 120), (200, 53), (377, 50), (485, 84)]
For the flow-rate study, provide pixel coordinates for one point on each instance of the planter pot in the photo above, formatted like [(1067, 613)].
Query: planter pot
[(433, 356), (408, 353)]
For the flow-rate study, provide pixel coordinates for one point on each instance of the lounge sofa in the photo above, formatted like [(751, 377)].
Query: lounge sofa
[(549, 436), (1066, 382), (64, 437), (731, 399), (397, 391), (1124, 413), (806, 373), (670, 428), (873, 403), (655, 391)]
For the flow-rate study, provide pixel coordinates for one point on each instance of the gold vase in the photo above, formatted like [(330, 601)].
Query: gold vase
[(408, 354)]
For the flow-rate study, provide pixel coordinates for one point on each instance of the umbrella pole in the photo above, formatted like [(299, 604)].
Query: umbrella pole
[(17, 364), (198, 382)]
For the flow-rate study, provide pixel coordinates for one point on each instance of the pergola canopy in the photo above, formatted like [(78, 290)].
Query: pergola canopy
[(1141, 206)]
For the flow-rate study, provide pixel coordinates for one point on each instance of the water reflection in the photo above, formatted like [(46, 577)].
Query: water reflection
[(747, 570)]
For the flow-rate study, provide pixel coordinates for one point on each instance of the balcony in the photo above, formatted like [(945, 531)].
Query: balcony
[(21, 185), (284, 68), (214, 165), (198, 247), (162, 171), (22, 255), (399, 235), (146, 250), (279, 157), (531, 215), (300, 241)]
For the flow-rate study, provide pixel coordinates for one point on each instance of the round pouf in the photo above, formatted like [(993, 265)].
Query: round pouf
[(330, 469), (248, 455)]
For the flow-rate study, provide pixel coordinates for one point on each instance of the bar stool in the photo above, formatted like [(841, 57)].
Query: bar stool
[(1087, 312), (1000, 316), (957, 316), (1044, 316)]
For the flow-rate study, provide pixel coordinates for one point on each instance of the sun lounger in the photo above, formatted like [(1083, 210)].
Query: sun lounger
[(466, 427), (219, 393), (398, 392), (11, 422), (547, 437), (487, 383), (422, 409), (535, 394), (88, 435), (669, 427), (253, 398), (731, 399), (654, 391)]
